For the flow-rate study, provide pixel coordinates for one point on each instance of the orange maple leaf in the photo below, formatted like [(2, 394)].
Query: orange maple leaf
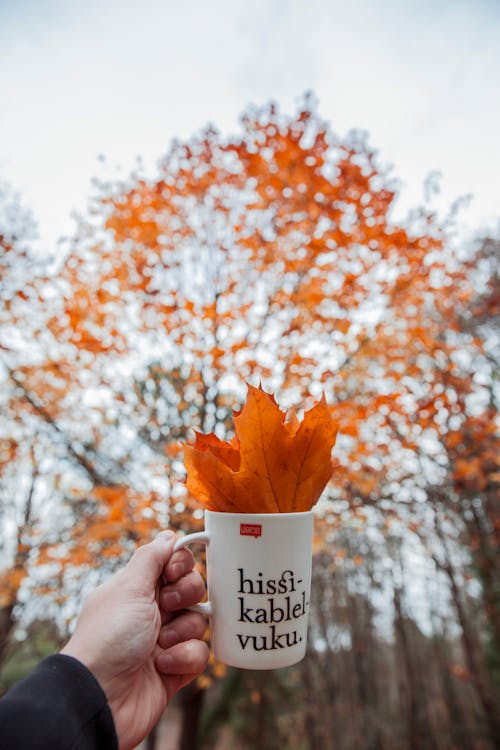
[(270, 466)]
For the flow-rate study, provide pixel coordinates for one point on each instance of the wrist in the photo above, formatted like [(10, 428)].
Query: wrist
[(76, 651)]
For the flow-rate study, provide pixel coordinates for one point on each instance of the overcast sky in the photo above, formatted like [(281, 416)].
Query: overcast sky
[(122, 77)]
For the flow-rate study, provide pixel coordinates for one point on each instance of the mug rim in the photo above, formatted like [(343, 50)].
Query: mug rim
[(261, 516)]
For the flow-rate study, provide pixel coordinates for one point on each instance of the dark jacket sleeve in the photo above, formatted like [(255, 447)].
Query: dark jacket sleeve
[(58, 706)]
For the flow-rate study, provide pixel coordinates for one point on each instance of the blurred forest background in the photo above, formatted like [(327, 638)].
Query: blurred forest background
[(271, 257)]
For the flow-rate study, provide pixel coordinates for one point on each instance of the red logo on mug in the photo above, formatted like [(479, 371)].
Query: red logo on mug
[(250, 529)]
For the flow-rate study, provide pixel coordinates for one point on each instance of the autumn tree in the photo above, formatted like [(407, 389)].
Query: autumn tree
[(269, 256), (472, 445), (18, 459)]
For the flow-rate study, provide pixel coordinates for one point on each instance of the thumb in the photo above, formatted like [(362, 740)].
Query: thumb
[(148, 561)]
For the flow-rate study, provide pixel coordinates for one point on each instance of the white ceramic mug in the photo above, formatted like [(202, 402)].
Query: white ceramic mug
[(259, 582)]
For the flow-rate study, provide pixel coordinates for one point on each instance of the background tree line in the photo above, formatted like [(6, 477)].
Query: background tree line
[(269, 256)]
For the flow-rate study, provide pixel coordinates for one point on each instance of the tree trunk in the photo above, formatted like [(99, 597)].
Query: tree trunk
[(459, 732), (458, 725), (218, 713), (471, 646), (311, 710), (151, 738), (411, 704), (6, 627), (7, 621), (488, 564), (362, 644), (191, 699)]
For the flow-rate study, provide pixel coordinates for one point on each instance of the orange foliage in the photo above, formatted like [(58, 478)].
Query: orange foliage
[(270, 257), (10, 582)]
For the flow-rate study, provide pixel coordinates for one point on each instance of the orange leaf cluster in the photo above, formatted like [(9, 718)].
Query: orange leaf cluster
[(270, 466)]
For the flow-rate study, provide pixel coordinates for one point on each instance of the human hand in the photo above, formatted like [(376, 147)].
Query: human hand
[(134, 636)]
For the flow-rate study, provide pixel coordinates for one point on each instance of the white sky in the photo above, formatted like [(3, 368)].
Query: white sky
[(79, 78)]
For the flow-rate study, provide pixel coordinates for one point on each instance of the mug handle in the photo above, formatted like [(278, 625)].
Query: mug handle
[(204, 608)]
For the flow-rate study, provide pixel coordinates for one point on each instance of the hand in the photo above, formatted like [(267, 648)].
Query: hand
[(134, 637)]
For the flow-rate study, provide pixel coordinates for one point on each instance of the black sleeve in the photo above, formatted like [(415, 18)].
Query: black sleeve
[(58, 706)]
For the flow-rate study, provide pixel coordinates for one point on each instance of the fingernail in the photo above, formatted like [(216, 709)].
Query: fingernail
[(169, 637), (171, 599), (166, 535), (177, 569)]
